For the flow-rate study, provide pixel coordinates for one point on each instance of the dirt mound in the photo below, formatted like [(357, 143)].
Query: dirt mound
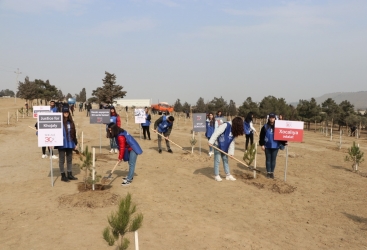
[(89, 199), (261, 182), (194, 157)]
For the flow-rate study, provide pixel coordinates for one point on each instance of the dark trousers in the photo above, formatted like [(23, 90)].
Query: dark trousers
[(87, 112), (249, 137), (271, 158), (69, 159), (44, 150), (146, 131)]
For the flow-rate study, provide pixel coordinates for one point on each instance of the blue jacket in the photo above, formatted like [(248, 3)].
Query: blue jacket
[(225, 139), (147, 121), (164, 125), (209, 129), (131, 141), (269, 138), (67, 140), (246, 128)]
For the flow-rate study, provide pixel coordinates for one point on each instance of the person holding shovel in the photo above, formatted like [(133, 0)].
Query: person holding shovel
[(269, 145), (164, 126), (129, 149), (223, 138), (70, 143)]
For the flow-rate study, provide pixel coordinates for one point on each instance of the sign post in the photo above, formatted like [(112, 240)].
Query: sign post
[(139, 118), (199, 125), (99, 116), (50, 133), (288, 131)]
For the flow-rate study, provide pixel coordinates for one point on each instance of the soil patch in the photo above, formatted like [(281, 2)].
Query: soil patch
[(89, 199), (194, 158), (261, 182)]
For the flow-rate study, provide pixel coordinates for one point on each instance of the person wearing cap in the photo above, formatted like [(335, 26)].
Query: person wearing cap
[(70, 143), (224, 139), (163, 125), (115, 118), (146, 124), (128, 147), (269, 145)]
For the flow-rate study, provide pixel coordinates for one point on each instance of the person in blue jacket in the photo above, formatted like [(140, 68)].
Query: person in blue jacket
[(269, 145), (163, 125), (210, 126), (70, 143), (223, 138), (146, 124), (129, 150), (249, 129)]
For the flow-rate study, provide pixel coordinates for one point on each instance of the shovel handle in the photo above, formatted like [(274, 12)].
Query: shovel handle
[(170, 141), (230, 156)]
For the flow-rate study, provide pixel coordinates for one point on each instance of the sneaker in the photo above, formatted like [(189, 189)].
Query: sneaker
[(268, 175), (169, 151), (230, 178), (44, 156), (116, 151), (54, 157), (211, 153), (125, 183), (217, 178), (272, 175), (111, 151), (160, 151)]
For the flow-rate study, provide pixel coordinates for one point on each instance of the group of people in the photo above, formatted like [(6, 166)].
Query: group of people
[(221, 137), (221, 140)]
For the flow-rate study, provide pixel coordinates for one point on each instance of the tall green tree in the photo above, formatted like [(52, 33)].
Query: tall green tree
[(248, 106), (219, 104), (27, 89), (110, 90), (331, 109), (309, 111), (186, 107), (68, 96), (60, 95), (177, 107), (346, 109), (267, 105), (232, 109), (200, 106)]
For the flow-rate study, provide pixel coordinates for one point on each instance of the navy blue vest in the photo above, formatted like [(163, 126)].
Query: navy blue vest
[(246, 128), (131, 141), (209, 129), (226, 138), (164, 125), (269, 138)]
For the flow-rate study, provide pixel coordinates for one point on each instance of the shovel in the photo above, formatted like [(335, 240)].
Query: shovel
[(171, 141), (106, 178), (235, 159)]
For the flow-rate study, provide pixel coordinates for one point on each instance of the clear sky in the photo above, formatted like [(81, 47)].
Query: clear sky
[(169, 49)]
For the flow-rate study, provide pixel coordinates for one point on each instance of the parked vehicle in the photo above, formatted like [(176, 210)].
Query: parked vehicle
[(162, 107)]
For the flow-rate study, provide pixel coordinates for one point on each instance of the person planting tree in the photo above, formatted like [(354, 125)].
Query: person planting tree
[(164, 126), (223, 138)]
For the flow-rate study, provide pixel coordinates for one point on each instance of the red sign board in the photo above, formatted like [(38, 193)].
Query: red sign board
[(288, 130)]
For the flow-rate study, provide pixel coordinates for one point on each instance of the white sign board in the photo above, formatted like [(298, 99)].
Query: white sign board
[(50, 128), (139, 115), (40, 109)]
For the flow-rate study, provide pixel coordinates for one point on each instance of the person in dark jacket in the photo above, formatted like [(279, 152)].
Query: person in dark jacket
[(146, 124), (70, 143), (163, 125), (269, 145), (115, 118), (129, 149)]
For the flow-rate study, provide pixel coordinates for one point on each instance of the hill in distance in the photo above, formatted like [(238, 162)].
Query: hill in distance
[(358, 99)]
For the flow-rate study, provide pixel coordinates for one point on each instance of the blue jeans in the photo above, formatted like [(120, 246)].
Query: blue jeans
[(210, 147), (132, 161), (217, 156), (271, 157), (113, 144)]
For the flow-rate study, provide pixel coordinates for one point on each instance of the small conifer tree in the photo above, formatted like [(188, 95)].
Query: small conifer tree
[(249, 155), (193, 141), (122, 221), (355, 155), (87, 166)]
